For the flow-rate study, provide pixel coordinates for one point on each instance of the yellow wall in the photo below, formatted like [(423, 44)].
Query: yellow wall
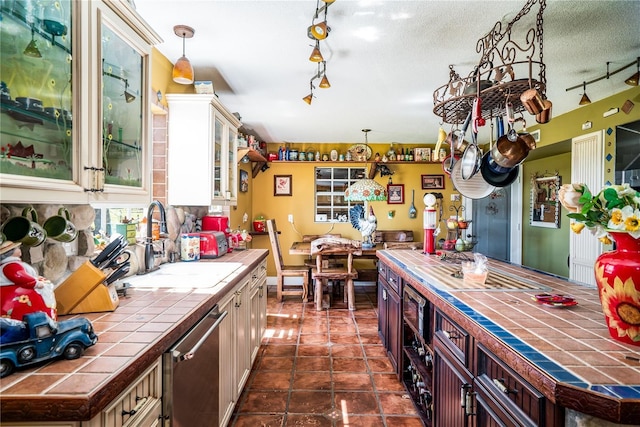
[(301, 203)]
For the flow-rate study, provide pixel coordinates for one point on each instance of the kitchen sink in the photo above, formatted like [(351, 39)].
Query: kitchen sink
[(200, 274), (449, 277)]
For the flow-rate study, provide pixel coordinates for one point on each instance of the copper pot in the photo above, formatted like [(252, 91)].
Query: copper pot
[(545, 115), (511, 149), (532, 101)]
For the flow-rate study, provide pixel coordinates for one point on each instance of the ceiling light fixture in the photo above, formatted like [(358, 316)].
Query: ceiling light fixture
[(324, 82), (316, 55), (585, 98), (365, 189), (183, 70), (633, 80)]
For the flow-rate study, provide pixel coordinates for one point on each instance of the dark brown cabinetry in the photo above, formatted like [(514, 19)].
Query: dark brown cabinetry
[(453, 379), (454, 402), (389, 285)]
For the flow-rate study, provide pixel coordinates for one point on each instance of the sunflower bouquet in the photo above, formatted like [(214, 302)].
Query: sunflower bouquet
[(614, 208)]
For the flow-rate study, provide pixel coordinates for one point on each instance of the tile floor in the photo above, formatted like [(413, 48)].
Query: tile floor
[(325, 368)]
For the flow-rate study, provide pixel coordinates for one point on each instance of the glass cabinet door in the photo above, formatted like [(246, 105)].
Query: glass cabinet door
[(122, 110), (217, 158), (232, 166), (36, 119)]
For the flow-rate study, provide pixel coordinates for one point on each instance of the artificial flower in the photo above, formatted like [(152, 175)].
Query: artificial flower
[(614, 208)]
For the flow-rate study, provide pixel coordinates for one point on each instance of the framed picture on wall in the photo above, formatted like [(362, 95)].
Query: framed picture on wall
[(244, 181), (432, 182), (282, 185), (395, 194), (545, 207)]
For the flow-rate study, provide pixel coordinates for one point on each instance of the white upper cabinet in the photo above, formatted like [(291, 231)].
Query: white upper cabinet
[(202, 157), (75, 116)]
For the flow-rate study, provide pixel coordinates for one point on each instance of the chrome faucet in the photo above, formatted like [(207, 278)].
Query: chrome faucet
[(149, 253)]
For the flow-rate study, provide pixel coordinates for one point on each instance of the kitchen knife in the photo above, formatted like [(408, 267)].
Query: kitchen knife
[(118, 273), (102, 256), (115, 253)]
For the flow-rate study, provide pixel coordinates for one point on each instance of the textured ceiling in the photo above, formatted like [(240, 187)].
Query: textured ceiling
[(384, 59)]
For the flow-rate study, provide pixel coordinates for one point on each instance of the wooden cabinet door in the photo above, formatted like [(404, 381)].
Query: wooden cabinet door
[(450, 386), (243, 352), (227, 360), (394, 334), (382, 311)]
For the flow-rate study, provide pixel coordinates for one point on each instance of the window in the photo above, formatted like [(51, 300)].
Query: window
[(108, 217), (331, 183)]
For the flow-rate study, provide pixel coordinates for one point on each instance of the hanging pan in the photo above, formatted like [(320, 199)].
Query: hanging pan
[(473, 188), (471, 159)]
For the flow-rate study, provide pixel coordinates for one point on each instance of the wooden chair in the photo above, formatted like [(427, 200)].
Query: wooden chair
[(328, 261), (286, 270), (333, 246)]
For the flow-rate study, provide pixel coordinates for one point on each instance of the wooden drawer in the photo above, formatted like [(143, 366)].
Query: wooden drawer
[(454, 338), (383, 270), (259, 274), (394, 281), (517, 399), (139, 402)]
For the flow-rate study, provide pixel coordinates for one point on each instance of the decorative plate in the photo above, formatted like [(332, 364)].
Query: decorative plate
[(360, 152), (554, 300), (334, 155)]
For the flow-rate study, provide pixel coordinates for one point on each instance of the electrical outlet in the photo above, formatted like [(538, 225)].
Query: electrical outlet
[(291, 218)]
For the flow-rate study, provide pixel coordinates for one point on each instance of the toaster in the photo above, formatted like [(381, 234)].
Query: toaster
[(213, 244)]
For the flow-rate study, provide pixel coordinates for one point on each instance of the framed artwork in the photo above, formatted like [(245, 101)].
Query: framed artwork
[(244, 181), (545, 207), (395, 194), (282, 185), (432, 182)]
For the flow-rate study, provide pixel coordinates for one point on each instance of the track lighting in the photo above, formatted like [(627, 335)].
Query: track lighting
[(585, 99), (182, 70), (316, 55), (633, 80)]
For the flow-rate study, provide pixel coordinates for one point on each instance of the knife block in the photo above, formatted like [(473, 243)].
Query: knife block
[(84, 292), (102, 298)]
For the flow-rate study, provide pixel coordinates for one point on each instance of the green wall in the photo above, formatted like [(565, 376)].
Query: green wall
[(545, 249)]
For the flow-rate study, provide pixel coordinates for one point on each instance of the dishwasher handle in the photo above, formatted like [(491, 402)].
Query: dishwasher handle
[(179, 356)]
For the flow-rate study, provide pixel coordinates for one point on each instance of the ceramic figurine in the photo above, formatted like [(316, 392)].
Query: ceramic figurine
[(22, 290)]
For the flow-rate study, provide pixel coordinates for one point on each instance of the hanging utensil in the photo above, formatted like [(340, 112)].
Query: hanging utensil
[(412, 208), (471, 159)]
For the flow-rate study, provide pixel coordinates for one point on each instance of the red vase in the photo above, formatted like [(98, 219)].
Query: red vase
[(618, 278)]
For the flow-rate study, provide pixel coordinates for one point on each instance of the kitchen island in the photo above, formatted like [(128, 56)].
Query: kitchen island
[(155, 313), (495, 353)]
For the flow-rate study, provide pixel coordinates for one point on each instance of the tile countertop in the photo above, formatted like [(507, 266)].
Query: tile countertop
[(576, 362), (144, 325)]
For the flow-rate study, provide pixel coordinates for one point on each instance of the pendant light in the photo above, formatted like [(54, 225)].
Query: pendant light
[(324, 82), (585, 99), (182, 70), (633, 80), (316, 55)]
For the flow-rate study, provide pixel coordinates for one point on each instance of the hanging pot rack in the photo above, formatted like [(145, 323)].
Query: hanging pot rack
[(511, 61)]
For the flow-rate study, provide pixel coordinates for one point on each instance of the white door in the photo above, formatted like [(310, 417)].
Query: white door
[(587, 166)]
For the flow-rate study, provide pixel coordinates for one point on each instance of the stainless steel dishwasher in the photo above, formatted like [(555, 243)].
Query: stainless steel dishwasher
[(190, 376)]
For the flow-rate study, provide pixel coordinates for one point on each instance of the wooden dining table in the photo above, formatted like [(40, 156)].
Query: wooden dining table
[(304, 248)]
